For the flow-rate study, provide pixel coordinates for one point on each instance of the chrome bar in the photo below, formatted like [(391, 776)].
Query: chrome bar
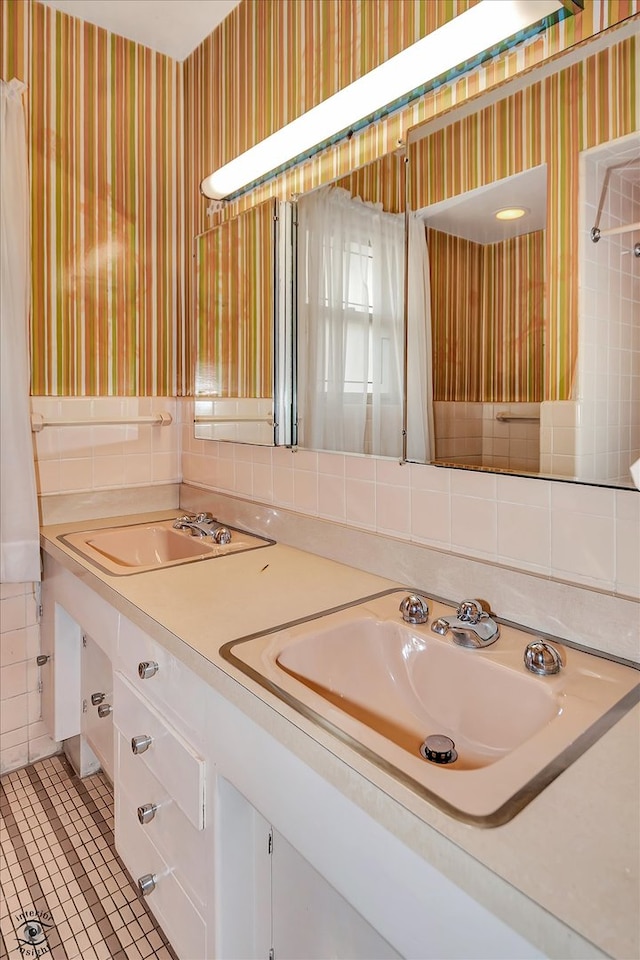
[(522, 417), (160, 420), (596, 233), (268, 420)]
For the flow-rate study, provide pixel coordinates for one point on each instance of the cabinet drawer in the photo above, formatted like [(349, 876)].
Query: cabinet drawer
[(174, 689), (173, 761), (169, 902), (176, 839)]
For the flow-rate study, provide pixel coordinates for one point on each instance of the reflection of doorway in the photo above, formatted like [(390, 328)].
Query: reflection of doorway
[(488, 319), (608, 381)]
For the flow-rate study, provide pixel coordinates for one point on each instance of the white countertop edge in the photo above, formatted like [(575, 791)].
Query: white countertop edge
[(452, 847)]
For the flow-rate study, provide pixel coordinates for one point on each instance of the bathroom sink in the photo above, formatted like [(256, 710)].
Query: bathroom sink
[(383, 687), (138, 548), (405, 683)]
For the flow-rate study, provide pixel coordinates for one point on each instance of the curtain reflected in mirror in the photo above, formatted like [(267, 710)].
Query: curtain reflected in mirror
[(350, 311), (350, 324)]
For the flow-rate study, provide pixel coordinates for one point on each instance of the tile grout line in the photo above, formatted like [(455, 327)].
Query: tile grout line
[(83, 813), (97, 910), (35, 891), (99, 820)]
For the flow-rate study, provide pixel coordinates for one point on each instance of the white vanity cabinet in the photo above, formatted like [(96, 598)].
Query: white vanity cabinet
[(242, 848), (78, 631), (163, 818), (96, 689)]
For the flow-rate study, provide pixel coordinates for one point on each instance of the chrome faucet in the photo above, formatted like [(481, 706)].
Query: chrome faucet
[(203, 525), (472, 626)]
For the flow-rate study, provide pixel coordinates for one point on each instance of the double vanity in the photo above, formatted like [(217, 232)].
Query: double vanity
[(312, 760)]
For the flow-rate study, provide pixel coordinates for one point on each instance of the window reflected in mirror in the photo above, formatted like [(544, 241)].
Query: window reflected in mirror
[(350, 312)]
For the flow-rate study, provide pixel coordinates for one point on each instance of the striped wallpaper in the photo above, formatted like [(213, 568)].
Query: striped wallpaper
[(114, 208), (381, 181), (235, 317), (487, 306), (549, 122), (105, 189)]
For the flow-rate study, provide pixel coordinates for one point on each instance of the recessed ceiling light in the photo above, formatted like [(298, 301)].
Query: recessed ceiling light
[(511, 213)]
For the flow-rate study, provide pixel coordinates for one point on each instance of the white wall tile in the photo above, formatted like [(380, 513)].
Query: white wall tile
[(393, 509), (524, 536), (332, 497), (582, 545), (474, 526), (14, 713), (13, 680), (13, 614), (305, 490), (431, 517), (627, 533), (14, 757)]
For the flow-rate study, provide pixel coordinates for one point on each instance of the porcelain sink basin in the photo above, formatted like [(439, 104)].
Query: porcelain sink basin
[(382, 687), (137, 548)]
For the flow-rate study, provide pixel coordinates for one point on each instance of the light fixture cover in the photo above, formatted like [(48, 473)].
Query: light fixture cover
[(511, 213), (387, 87)]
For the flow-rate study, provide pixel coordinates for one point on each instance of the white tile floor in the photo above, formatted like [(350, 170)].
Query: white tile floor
[(65, 892)]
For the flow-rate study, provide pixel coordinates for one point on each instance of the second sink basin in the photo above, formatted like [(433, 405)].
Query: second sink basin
[(383, 687), (406, 683), (140, 547)]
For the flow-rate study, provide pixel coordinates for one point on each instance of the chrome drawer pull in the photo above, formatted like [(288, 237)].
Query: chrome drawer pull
[(147, 669), (104, 710), (147, 812), (141, 743), (147, 884), (96, 699)]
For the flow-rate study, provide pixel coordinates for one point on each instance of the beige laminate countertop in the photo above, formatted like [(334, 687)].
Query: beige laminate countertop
[(565, 872)]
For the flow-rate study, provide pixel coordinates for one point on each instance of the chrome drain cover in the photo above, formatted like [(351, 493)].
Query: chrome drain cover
[(439, 749)]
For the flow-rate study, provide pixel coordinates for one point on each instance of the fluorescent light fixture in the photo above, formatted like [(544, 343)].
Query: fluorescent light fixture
[(511, 213), (485, 25)]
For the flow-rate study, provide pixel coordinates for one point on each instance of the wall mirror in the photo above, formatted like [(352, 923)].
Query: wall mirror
[(502, 315), (350, 311), (243, 283)]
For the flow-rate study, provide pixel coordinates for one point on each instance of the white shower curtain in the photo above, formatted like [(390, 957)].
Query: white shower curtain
[(420, 426), (19, 528), (350, 281)]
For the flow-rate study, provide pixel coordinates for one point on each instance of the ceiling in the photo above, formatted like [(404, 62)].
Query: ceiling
[(173, 27), (471, 215)]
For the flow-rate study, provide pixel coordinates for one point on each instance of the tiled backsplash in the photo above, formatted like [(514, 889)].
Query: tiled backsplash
[(98, 457), (576, 533), (23, 737), (569, 532)]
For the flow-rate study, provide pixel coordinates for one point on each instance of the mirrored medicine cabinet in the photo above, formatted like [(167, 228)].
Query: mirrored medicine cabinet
[(243, 303), (498, 371)]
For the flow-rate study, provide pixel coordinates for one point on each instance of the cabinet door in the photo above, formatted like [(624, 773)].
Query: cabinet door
[(243, 877), (311, 919), (97, 679), (61, 643)]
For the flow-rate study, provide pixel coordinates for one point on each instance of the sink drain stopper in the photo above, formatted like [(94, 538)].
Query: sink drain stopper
[(439, 749)]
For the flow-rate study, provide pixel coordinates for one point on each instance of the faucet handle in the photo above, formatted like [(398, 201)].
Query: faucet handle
[(471, 611), (414, 609), (181, 523)]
